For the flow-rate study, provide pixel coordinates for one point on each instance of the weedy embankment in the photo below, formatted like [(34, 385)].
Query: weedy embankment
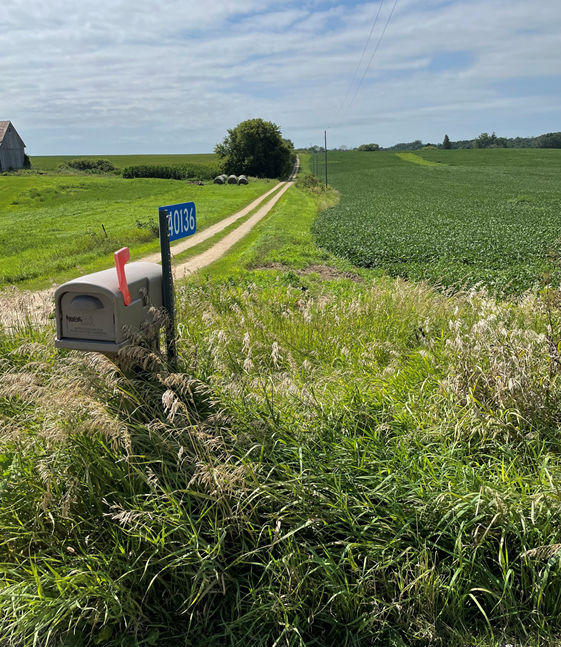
[(332, 464)]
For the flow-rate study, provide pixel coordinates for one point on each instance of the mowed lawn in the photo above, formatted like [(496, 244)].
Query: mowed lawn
[(52, 162), (458, 217), (51, 225)]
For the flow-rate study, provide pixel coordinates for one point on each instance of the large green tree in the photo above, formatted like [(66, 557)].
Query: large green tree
[(256, 147)]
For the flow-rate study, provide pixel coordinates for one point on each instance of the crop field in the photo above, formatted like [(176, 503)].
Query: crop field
[(50, 163), (453, 217), (52, 226)]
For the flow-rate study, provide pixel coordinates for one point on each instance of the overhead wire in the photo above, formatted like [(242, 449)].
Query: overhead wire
[(370, 62), (360, 62)]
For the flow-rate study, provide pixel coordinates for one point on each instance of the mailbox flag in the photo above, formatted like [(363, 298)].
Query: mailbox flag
[(121, 257)]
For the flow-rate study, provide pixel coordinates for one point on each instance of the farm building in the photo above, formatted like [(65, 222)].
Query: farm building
[(11, 147)]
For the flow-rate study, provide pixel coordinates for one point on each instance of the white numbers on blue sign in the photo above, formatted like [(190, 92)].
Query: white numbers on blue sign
[(182, 220)]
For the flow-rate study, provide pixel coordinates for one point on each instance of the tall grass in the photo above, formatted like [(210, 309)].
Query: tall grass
[(332, 464)]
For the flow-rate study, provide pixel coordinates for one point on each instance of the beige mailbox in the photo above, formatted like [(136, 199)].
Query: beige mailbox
[(91, 310)]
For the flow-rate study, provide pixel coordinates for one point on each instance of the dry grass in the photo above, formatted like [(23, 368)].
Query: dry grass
[(358, 464)]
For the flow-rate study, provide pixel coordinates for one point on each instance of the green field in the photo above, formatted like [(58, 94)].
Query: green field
[(50, 163), (453, 217), (51, 225), (339, 459)]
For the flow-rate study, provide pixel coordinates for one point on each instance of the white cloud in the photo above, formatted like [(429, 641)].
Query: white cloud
[(146, 76)]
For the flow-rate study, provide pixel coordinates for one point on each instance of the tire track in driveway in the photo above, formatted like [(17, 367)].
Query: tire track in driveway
[(194, 264), (209, 232)]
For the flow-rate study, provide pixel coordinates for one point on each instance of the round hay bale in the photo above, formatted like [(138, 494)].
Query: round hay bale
[(242, 180), (232, 179), (219, 179)]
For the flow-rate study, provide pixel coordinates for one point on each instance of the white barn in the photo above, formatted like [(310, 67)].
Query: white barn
[(11, 147)]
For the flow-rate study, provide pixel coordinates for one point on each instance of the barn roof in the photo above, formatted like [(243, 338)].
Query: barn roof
[(4, 129)]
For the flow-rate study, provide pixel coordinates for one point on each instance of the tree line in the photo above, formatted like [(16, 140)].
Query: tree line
[(484, 140)]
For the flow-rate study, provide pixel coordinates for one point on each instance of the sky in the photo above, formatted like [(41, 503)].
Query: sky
[(171, 76)]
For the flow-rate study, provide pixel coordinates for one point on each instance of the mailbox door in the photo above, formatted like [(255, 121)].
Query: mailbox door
[(87, 316)]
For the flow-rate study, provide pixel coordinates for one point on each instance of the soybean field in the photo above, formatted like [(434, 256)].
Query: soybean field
[(456, 218)]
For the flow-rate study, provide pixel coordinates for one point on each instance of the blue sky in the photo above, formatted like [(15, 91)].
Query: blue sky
[(170, 76)]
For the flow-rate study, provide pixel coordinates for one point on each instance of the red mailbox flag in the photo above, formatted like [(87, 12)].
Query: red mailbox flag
[(121, 257)]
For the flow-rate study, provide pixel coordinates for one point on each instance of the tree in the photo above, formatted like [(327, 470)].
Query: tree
[(369, 147), (549, 140), (256, 147), (483, 141), (446, 143)]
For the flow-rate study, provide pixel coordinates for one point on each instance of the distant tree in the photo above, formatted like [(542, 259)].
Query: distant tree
[(256, 147), (549, 140), (446, 143), (369, 147), (483, 141), (490, 141), (409, 146)]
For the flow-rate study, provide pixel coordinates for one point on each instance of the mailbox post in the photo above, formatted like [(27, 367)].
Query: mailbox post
[(167, 287), (176, 221)]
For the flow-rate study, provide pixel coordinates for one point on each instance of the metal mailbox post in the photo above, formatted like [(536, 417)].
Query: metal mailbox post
[(91, 310)]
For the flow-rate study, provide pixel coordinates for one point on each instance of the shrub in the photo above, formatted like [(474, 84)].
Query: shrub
[(368, 147), (152, 225), (172, 172), (308, 182), (89, 164)]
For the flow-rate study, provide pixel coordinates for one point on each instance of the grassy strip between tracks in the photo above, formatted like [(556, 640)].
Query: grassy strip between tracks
[(210, 242), (281, 242)]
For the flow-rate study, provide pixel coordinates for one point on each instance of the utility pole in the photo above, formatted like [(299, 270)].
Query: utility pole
[(325, 135)]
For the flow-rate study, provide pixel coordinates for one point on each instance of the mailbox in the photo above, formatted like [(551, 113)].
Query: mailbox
[(91, 310)]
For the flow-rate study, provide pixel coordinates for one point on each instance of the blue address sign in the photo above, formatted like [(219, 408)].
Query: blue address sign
[(182, 220)]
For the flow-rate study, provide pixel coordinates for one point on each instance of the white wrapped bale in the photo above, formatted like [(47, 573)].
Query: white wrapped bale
[(242, 180), (232, 179), (219, 179)]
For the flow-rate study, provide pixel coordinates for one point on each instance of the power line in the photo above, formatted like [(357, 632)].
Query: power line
[(370, 62), (359, 63)]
